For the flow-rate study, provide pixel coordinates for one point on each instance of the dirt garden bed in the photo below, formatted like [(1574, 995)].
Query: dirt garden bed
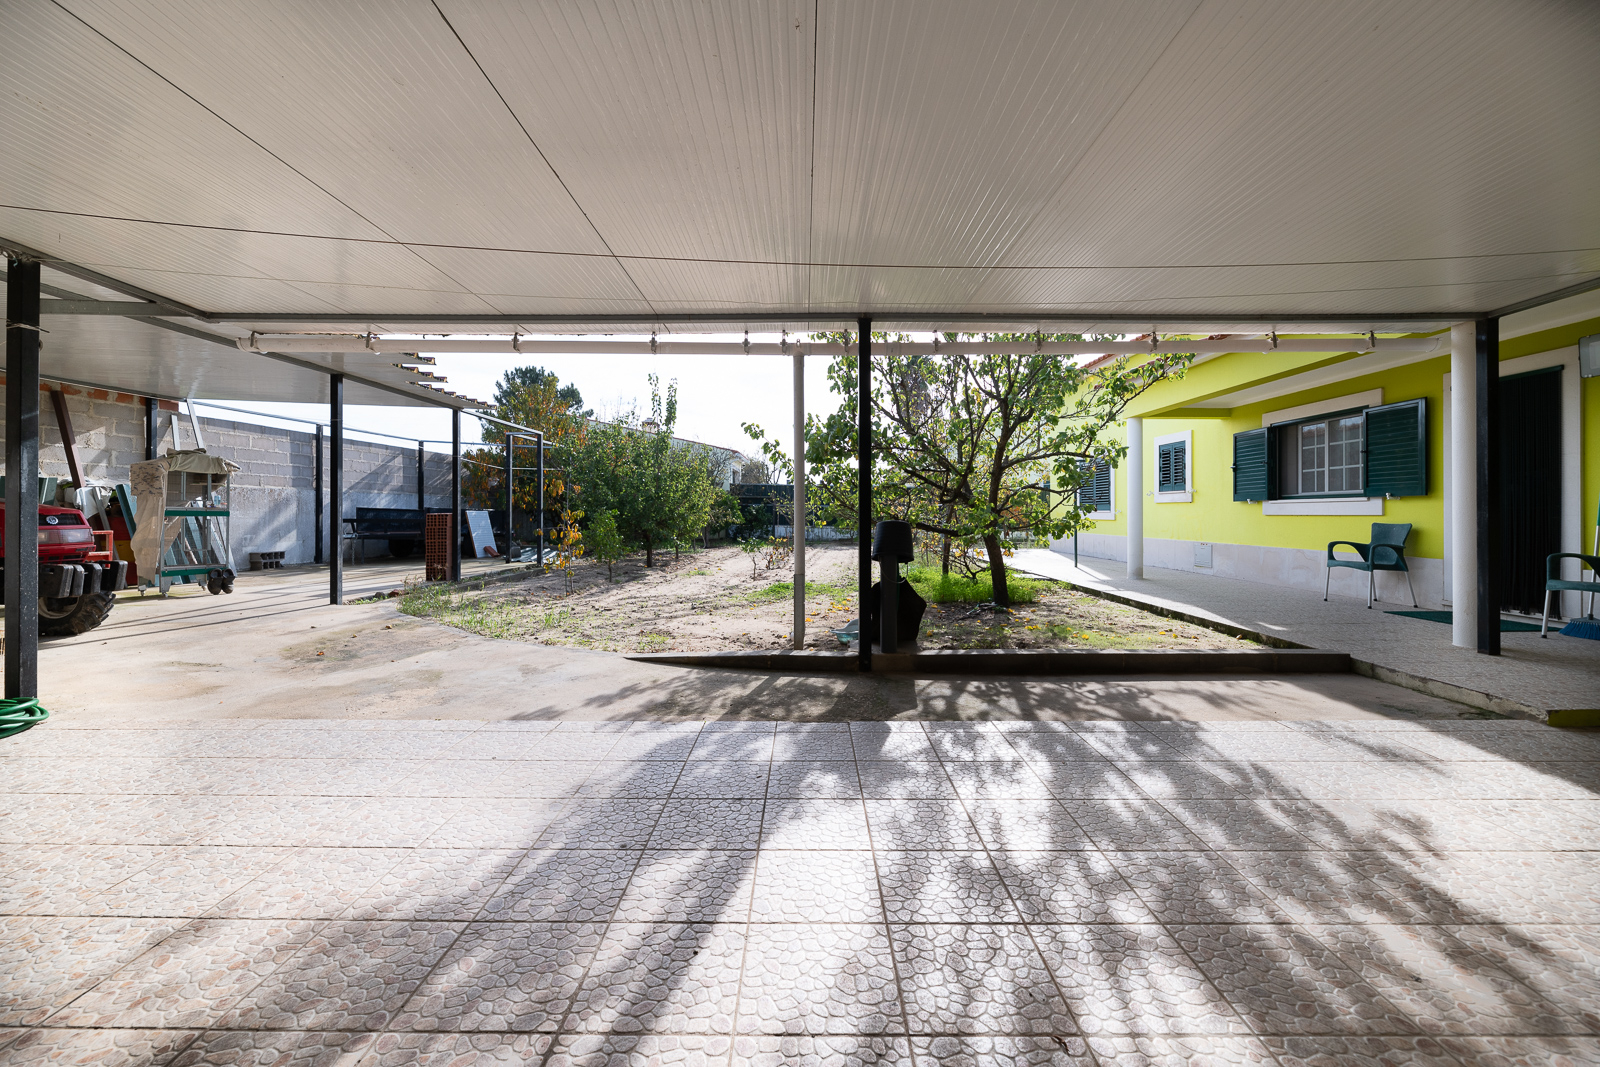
[(717, 600)]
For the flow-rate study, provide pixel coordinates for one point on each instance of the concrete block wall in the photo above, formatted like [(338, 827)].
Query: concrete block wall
[(273, 492)]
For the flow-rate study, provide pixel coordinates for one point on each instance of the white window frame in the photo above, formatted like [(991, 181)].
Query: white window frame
[(1354, 505), (1187, 439)]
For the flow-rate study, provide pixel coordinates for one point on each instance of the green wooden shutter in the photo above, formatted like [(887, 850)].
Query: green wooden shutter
[(1172, 467), (1252, 468), (1094, 492), (1397, 449)]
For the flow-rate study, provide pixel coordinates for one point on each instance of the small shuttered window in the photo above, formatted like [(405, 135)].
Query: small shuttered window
[(1172, 467), (1397, 449), (1094, 492), (1252, 465)]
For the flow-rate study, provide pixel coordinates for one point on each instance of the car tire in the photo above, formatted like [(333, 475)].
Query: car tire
[(67, 616)]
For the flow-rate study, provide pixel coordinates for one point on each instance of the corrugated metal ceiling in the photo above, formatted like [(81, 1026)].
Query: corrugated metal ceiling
[(808, 158)]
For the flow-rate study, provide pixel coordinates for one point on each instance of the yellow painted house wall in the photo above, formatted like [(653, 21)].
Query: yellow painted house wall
[(1214, 516)]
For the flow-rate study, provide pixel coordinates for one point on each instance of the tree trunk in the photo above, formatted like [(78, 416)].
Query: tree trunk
[(649, 553), (997, 569), (944, 559)]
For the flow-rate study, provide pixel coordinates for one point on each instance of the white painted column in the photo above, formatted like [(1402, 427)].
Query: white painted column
[(1134, 505), (1463, 502), (799, 500)]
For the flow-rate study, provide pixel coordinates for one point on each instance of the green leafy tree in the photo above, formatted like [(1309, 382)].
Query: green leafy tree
[(533, 397), (605, 542), (968, 447), (661, 490)]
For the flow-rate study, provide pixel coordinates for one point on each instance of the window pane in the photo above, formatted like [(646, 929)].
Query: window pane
[(1344, 454), (1314, 457)]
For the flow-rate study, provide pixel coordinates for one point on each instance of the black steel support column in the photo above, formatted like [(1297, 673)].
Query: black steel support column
[(22, 480), (336, 488), (455, 494), (151, 426), (422, 481), (1489, 566), (541, 499), (511, 460), (864, 484), (316, 499)]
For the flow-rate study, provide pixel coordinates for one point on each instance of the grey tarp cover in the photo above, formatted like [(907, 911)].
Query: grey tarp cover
[(149, 483)]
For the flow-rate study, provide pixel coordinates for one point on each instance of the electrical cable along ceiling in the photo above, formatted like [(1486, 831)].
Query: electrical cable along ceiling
[(481, 167)]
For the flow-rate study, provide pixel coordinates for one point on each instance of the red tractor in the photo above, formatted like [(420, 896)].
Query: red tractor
[(78, 580)]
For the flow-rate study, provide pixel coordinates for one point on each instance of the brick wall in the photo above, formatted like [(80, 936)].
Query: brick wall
[(273, 505)]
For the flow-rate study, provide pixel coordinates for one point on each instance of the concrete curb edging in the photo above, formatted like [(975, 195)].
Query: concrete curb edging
[(1027, 661)]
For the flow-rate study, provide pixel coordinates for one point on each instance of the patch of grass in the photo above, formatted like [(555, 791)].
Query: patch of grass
[(777, 591), (955, 588)]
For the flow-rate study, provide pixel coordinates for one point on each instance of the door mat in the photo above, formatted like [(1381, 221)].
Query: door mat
[(1506, 625)]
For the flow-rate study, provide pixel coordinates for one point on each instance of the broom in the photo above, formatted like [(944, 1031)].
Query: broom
[(1588, 626)]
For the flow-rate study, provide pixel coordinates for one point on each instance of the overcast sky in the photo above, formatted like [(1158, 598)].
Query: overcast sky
[(715, 393)]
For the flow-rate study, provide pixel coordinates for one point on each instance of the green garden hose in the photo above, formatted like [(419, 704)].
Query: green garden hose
[(19, 715)]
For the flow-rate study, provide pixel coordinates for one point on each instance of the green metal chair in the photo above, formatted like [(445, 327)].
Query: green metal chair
[(1386, 552), (1554, 583)]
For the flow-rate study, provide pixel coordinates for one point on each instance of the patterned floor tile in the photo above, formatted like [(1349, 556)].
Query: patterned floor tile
[(101, 1048), (1012, 780), (451, 1050), (976, 979), (943, 887), (1559, 963), (1237, 825), (1180, 1051), (689, 886), (505, 976), (1087, 780), (1126, 979), (819, 779), (904, 780), (643, 1050), (501, 822), (652, 747), (1445, 985), (1345, 826), (921, 824), (192, 977), (894, 741), (639, 780), (544, 779), (348, 976), (1027, 825), (662, 978), (1282, 981), (815, 886), (1069, 887), (808, 747), (563, 885), (603, 824), (1131, 826), (446, 884), (972, 746), (726, 824), (1524, 1051), (1002, 1051), (714, 778), (310, 883), (818, 978), (1195, 887), (819, 1050), (1324, 887), (818, 824), (62, 879), (1052, 748), (284, 1048), (1178, 779), (47, 961), (740, 745), (1359, 1052)]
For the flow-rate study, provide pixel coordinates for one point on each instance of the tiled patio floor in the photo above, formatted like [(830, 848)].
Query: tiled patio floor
[(311, 893)]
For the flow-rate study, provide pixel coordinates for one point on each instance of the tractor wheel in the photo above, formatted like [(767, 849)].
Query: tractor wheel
[(69, 615)]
